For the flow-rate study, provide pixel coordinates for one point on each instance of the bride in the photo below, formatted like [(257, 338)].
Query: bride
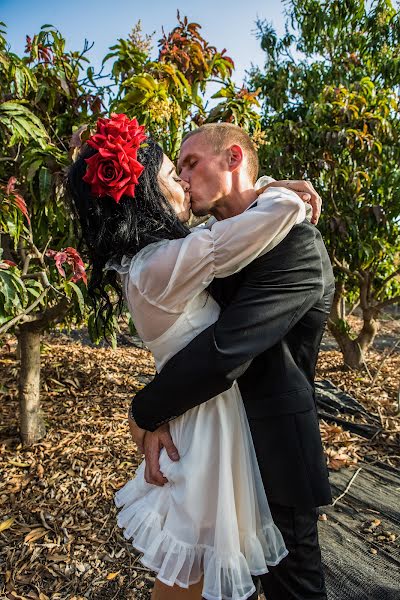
[(209, 529)]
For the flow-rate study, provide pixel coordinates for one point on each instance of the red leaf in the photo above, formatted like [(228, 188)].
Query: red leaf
[(16, 198), (20, 203), (11, 185), (71, 257), (6, 264)]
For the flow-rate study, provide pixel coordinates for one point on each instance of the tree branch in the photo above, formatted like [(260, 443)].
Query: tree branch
[(346, 270), (25, 267), (51, 315), (394, 300), (385, 281), (354, 307), (22, 316), (35, 251), (365, 292), (347, 488)]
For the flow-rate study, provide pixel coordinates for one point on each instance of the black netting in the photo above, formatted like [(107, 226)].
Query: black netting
[(333, 404), (352, 572), (362, 562)]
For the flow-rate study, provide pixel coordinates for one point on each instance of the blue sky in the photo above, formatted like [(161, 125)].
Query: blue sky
[(224, 23)]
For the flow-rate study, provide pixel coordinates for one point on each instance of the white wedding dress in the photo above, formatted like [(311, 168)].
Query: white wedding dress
[(212, 518)]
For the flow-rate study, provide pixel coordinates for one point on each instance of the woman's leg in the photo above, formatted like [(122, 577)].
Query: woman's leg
[(166, 592)]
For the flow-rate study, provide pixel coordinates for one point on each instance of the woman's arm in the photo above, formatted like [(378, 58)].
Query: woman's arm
[(178, 270), (278, 289)]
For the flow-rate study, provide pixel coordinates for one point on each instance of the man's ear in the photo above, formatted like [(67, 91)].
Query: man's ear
[(235, 157)]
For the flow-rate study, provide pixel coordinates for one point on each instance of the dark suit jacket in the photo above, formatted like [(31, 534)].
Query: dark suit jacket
[(268, 335)]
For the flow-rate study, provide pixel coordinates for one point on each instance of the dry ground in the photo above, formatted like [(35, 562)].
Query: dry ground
[(58, 534)]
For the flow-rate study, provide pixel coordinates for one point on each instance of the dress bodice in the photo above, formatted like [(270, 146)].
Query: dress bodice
[(198, 314)]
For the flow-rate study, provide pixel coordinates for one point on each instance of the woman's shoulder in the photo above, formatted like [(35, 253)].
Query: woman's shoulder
[(131, 264)]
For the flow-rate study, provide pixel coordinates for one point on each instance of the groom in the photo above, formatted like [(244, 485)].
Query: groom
[(267, 338)]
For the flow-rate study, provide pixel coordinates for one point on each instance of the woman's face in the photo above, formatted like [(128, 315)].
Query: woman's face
[(175, 190)]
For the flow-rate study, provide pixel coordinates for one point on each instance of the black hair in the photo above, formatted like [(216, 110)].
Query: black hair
[(111, 230)]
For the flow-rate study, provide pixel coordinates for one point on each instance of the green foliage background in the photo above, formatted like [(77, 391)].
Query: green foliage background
[(330, 110), (325, 106)]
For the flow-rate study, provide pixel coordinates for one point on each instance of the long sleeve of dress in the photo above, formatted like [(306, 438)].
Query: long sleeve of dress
[(277, 291), (169, 274)]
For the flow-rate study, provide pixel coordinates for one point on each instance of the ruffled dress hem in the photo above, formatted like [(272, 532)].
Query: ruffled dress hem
[(226, 577)]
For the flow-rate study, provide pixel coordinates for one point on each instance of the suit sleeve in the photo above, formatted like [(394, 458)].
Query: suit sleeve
[(277, 290)]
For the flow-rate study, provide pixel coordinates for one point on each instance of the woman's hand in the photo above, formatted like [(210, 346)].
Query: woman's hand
[(304, 189)]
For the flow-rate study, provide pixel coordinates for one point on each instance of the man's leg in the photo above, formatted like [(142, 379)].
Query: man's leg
[(299, 576)]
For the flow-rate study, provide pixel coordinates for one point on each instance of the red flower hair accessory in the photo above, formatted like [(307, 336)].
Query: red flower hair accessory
[(114, 171)]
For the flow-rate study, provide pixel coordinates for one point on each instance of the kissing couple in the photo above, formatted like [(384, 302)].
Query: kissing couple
[(233, 312)]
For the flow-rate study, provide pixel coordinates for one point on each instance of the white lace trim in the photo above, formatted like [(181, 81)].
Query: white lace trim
[(226, 576)]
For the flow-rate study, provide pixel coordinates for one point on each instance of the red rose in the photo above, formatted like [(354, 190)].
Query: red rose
[(119, 127), (114, 171)]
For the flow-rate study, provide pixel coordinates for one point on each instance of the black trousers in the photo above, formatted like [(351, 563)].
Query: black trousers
[(299, 576)]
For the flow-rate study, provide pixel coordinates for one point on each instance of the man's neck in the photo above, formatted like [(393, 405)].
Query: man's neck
[(234, 204)]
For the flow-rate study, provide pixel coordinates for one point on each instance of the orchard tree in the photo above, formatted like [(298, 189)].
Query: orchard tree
[(330, 113), (168, 93), (36, 293), (43, 101)]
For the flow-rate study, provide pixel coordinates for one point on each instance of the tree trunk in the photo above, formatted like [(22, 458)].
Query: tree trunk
[(353, 354), (353, 350), (29, 337), (31, 422)]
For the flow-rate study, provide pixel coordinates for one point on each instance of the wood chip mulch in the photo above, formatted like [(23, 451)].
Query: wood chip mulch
[(58, 534), (378, 391)]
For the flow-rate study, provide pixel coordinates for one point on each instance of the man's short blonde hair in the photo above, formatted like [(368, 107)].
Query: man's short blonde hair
[(224, 135)]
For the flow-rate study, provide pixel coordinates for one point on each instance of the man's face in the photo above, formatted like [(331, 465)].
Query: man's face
[(207, 173)]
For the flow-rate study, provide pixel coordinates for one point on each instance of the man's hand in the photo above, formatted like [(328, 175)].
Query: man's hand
[(153, 443), (137, 434), (307, 193)]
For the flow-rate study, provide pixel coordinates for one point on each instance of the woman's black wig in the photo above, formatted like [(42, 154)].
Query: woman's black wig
[(111, 230)]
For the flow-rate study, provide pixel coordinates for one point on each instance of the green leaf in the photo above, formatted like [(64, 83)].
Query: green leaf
[(131, 326), (33, 167), (223, 93), (33, 287), (79, 296), (44, 184), (14, 114), (19, 83), (94, 334)]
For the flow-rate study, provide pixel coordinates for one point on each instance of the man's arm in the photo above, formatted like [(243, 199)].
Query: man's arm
[(278, 289)]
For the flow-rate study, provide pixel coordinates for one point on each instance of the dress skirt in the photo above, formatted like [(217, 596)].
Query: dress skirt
[(212, 518)]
